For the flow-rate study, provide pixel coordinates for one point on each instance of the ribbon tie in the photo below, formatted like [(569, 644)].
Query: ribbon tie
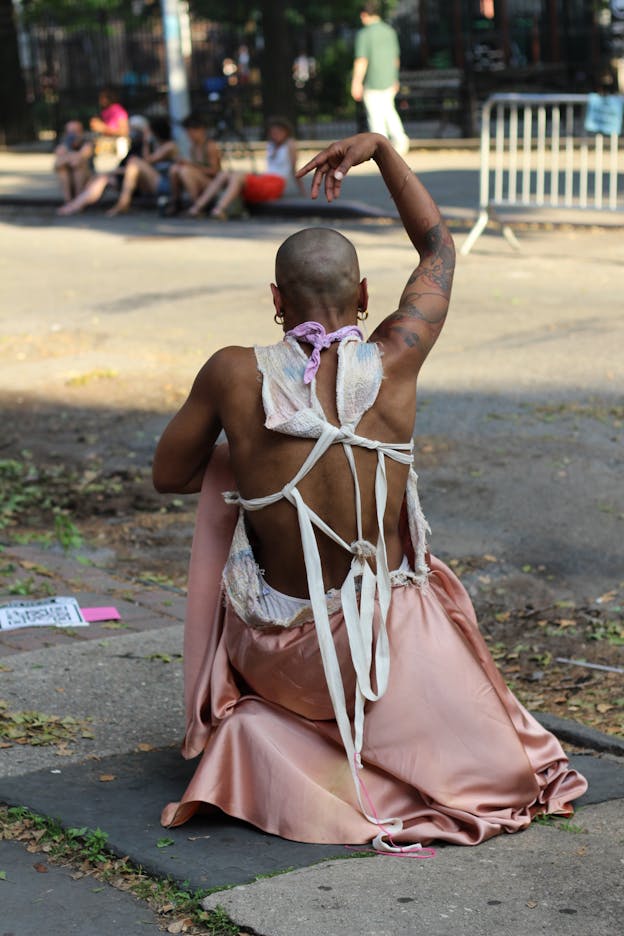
[(314, 333)]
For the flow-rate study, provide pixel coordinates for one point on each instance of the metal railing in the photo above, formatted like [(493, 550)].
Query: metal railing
[(536, 154)]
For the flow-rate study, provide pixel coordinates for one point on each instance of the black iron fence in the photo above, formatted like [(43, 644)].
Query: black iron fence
[(65, 67)]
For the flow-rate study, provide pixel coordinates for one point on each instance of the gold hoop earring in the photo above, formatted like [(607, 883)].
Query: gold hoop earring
[(362, 314), (278, 318)]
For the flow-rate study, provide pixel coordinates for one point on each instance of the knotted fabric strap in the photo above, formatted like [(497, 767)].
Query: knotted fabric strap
[(314, 333)]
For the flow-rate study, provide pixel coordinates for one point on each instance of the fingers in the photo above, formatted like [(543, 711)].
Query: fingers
[(326, 176), (332, 186), (317, 179), (309, 166), (330, 168)]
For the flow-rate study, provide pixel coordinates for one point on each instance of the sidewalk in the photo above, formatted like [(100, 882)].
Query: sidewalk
[(452, 176), (450, 173), (124, 680)]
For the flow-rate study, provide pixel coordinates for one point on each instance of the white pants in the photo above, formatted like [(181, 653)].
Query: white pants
[(383, 118)]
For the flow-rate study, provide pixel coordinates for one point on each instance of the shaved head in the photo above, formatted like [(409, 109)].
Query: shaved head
[(318, 267)]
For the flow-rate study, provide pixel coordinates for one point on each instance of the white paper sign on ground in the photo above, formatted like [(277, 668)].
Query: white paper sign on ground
[(46, 612)]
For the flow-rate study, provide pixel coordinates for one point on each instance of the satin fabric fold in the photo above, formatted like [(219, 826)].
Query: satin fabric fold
[(448, 748)]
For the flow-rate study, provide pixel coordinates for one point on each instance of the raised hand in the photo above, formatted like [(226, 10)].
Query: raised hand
[(332, 164)]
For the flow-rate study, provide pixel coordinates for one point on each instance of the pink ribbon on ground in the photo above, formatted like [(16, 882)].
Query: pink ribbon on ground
[(314, 333)]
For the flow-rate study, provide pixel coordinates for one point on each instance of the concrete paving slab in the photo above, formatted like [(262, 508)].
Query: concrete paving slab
[(543, 880), (52, 903), (120, 685), (209, 851), (212, 850)]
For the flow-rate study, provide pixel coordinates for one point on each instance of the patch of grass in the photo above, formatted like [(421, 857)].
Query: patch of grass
[(592, 409), (30, 587), (566, 826), (23, 539), (66, 531), (165, 842), (48, 495), (610, 630), (87, 851), (22, 587), (90, 844), (164, 657), (20, 488), (79, 380)]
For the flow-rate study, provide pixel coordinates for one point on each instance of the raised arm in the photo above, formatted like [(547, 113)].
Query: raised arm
[(409, 333)]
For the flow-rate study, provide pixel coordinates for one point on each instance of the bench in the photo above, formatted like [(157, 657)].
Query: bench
[(431, 93)]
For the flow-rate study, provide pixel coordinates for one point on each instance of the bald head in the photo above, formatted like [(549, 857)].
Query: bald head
[(318, 267)]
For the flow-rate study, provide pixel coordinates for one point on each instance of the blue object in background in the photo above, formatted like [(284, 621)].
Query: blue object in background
[(604, 113)]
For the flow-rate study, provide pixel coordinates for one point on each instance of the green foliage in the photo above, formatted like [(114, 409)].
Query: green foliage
[(27, 490), (335, 76), (610, 630), (79, 12), (19, 490), (298, 13), (91, 844), (66, 531)]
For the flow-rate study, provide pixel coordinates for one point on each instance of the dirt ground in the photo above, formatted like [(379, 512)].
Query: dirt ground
[(519, 432)]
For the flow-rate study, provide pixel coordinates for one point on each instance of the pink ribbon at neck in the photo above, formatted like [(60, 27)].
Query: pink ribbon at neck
[(314, 333)]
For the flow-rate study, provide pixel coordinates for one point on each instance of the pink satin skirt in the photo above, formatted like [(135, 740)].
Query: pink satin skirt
[(448, 749)]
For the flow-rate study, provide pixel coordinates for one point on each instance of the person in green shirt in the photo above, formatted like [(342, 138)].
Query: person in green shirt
[(376, 75)]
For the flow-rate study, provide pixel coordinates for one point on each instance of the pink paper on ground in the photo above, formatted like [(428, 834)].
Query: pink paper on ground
[(100, 614)]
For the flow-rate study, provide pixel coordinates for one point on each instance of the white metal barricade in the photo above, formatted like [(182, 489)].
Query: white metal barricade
[(536, 154)]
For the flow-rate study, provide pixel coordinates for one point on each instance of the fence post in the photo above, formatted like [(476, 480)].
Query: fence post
[(177, 84), (484, 183)]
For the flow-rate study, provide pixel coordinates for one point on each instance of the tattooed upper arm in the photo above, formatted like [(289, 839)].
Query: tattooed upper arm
[(418, 321)]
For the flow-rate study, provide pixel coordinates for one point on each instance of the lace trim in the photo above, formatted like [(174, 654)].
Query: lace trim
[(243, 583)]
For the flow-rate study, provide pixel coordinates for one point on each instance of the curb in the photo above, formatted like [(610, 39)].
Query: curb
[(305, 143), (580, 735), (286, 208)]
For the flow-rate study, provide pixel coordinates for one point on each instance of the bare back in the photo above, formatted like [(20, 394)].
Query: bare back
[(263, 461), (318, 280)]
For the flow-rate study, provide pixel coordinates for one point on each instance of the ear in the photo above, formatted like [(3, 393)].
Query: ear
[(363, 294), (277, 299)]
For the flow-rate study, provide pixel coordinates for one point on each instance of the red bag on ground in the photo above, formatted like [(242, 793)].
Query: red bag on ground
[(264, 187)]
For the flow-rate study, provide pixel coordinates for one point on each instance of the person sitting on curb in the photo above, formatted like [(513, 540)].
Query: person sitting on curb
[(256, 187), (149, 172), (193, 175), (139, 146), (113, 122), (73, 162)]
